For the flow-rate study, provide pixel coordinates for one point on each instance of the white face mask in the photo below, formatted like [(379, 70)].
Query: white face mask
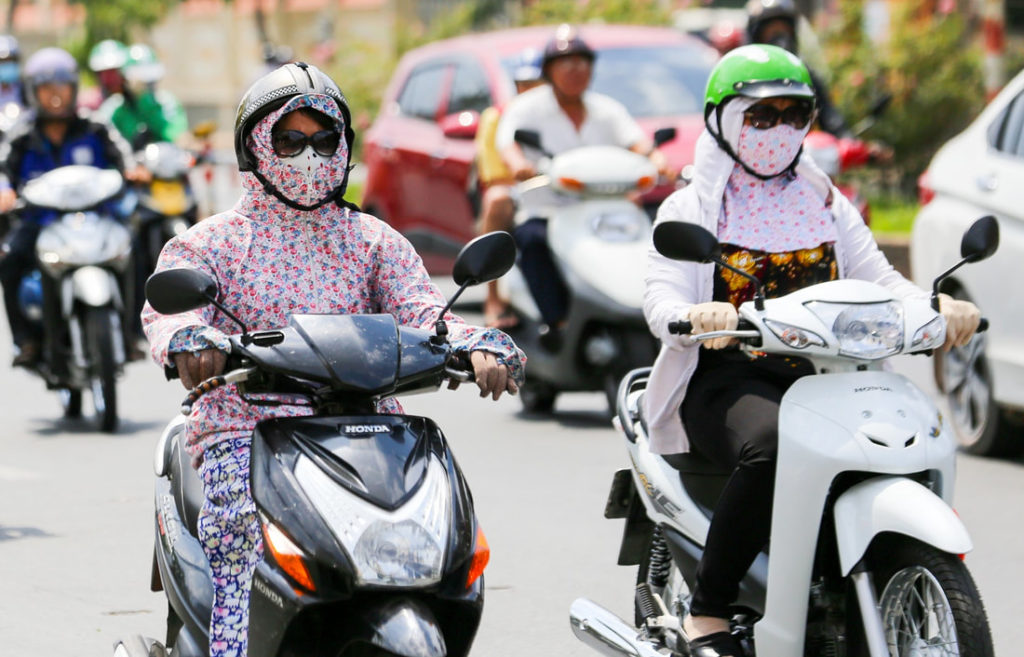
[(312, 183)]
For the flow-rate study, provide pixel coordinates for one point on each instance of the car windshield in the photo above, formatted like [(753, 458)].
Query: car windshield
[(650, 81)]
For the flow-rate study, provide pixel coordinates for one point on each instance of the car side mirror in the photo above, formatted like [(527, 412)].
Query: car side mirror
[(981, 240), (689, 242), (460, 126), (174, 291), (664, 136)]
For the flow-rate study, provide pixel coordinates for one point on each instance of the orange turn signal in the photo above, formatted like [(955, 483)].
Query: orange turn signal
[(645, 182), (571, 184), (481, 555), (287, 555)]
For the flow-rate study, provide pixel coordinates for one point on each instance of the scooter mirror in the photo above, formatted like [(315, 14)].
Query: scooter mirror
[(176, 291), (484, 259), (664, 135), (682, 241), (981, 240), (529, 138)]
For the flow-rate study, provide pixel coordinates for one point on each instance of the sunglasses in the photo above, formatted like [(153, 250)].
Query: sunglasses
[(289, 143), (763, 117)]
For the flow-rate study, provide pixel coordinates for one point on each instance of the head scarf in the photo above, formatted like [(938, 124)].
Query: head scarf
[(775, 215), (303, 180)]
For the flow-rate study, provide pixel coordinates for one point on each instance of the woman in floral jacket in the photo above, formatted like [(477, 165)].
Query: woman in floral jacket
[(290, 245)]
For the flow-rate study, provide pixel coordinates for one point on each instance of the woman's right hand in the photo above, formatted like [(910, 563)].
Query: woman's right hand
[(196, 367), (714, 316)]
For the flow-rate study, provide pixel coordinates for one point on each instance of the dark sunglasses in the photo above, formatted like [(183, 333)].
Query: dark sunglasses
[(289, 143), (763, 117)]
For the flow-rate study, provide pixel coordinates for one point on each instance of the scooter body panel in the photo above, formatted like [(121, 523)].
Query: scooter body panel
[(829, 424)]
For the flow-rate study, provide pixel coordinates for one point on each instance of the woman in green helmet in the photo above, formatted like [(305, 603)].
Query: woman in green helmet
[(780, 218)]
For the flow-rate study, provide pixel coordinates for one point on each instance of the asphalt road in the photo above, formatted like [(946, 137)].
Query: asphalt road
[(76, 518)]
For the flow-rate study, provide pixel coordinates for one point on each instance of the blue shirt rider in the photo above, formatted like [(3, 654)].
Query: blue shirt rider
[(56, 136)]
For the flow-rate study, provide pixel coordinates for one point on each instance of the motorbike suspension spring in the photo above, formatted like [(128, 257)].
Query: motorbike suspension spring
[(661, 560)]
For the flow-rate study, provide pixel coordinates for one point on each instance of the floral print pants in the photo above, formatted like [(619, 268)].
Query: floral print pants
[(229, 532)]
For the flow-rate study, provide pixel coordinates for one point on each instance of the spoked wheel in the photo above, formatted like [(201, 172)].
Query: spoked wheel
[(71, 402), (929, 604), (963, 376), (100, 336), (537, 397)]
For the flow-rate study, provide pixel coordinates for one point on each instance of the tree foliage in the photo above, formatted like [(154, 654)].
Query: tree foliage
[(115, 19), (645, 12), (929, 65)]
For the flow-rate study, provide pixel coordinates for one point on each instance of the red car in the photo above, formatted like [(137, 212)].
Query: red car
[(419, 152)]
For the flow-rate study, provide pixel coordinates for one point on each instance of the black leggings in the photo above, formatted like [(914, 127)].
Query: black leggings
[(731, 415)]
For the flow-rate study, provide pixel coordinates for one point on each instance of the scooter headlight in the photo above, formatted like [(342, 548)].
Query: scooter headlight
[(405, 547), (619, 226), (866, 330)]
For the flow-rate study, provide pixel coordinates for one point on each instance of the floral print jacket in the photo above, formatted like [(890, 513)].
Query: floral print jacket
[(266, 270)]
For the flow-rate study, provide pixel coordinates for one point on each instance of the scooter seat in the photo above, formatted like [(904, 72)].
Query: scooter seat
[(702, 479), (187, 487)]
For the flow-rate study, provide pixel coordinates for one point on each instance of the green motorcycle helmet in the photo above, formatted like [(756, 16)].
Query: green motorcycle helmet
[(143, 66), (757, 71), (107, 55)]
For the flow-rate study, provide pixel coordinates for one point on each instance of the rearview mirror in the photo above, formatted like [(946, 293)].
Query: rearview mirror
[(174, 291), (683, 241), (981, 240), (484, 259), (664, 135), (529, 138)]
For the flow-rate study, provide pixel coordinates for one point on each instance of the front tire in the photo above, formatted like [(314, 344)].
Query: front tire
[(929, 602), (100, 337)]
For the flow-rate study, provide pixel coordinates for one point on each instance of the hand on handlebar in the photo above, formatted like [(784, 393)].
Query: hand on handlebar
[(714, 316), (962, 319), (8, 198), (491, 376), (194, 368)]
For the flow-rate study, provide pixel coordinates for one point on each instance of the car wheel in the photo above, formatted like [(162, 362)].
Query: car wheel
[(962, 375)]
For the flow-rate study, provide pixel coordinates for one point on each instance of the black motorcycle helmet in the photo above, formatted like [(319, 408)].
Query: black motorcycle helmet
[(760, 12), (271, 92), (566, 42)]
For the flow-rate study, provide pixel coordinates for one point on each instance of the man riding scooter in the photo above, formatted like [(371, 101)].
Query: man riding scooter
[(566, 115)]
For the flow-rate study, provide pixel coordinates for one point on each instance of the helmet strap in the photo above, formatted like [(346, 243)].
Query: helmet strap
[(727, 147)]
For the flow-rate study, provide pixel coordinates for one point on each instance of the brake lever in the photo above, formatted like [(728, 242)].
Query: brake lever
[(212, 383)]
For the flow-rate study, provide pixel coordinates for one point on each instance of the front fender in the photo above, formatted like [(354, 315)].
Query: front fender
[(899, 505), (404, 627)]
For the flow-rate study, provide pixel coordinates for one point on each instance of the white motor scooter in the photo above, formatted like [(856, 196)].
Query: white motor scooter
[(866, 551), (598, 238)]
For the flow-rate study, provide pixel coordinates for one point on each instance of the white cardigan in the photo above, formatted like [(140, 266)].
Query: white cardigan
[(673, 286)]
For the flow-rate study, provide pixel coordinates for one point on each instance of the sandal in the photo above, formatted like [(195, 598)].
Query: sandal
[(717, 644)]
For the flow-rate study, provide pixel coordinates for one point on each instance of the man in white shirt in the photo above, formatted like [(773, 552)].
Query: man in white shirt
[(566, 116)]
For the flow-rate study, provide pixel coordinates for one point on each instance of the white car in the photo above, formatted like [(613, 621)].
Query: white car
[(980, 172)]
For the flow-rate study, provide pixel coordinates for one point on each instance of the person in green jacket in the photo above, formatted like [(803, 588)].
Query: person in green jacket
[(142, 113)]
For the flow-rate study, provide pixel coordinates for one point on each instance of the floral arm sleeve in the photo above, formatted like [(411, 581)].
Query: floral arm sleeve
[(405, 290), (189, 331)]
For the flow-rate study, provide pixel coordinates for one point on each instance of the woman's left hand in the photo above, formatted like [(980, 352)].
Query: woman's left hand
[(491, 376), (962, 318)]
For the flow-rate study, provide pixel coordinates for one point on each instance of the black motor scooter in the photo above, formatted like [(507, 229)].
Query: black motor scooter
[(371, 544)]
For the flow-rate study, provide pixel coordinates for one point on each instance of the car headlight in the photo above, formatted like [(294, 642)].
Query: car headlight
[(867, 330), (405, 547), (794, 336), (619, 226)]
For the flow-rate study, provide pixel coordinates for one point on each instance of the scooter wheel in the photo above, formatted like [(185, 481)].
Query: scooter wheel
[(537, 397), (139, 646), (71, 402)]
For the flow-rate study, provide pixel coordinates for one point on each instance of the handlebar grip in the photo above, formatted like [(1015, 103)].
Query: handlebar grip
[(982, 325), (680, 327)]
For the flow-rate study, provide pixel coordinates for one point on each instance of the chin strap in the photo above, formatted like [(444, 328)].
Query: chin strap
[(727, 147), (337, 195)]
